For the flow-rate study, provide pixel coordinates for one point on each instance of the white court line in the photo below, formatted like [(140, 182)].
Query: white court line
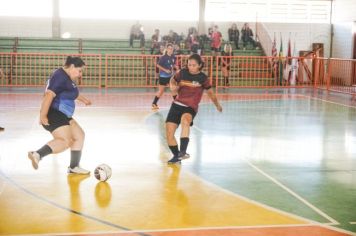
[(323, 100), (353, 223), (317, 210)]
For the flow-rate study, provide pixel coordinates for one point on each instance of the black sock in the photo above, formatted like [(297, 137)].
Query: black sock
[(174, 150), (75, 158), (155, 100), (44, 151), (184, 144), (174, 97)]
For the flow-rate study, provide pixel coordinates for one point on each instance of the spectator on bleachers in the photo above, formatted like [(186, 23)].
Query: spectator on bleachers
[(246, 36), (216, 40), (172, 38), (234, 35), (137, 33), (156, 40), (2, 75), (225, 63), (194, 43), (211, 30)]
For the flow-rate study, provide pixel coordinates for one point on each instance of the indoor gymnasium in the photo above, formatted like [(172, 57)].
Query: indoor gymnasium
[(167, 118)]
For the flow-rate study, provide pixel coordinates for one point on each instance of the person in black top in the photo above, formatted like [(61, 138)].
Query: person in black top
[(137, 33), (234, 35), (246, 36)]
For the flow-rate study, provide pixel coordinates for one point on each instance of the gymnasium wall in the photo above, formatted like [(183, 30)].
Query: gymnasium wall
[(344, 26)]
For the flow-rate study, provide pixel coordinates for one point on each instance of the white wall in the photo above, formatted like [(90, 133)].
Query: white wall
[(25, 27), (344, 16), (304, 35)]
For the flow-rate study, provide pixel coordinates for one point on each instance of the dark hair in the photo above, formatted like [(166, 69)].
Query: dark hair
[(198, 59), (76, 61)]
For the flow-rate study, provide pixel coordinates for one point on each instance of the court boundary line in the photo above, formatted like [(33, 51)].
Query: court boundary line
[(327, 101)]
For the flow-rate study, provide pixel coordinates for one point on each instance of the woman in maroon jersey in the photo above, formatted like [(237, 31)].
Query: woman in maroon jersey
[(189, 85)]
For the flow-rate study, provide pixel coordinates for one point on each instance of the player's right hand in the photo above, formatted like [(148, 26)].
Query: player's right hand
[(44, 120)]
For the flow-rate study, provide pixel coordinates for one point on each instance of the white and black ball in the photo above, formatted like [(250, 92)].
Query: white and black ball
[(102, 172)]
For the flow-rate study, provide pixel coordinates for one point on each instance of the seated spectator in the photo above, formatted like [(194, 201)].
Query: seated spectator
[(246, 36), (194, 43), (234, 35), (172, 38), (137, 33), (156, 41)]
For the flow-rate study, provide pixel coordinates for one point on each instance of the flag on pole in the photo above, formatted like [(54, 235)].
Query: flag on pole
[(280, 63), (295, 65), (274, 55), (288, 63)]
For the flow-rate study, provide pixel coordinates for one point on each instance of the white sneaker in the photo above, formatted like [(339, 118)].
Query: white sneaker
[(78, 170), (35, 158), (182, 156)]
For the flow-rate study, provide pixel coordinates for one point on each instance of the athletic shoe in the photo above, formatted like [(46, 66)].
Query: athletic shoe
[(182, 156), (35, 159), (174, 160), (78, 170), (155, 107)]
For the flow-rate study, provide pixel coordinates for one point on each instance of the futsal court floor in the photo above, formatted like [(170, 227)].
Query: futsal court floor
[(274, 162)]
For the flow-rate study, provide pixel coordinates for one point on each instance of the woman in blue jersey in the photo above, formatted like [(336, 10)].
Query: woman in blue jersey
[(166, 66), (56, 113)]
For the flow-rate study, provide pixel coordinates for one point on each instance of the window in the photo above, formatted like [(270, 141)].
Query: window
[(292, 11), (25, 8), (185, 10)]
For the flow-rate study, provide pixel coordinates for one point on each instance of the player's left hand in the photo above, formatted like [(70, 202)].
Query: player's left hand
[(219, 108)]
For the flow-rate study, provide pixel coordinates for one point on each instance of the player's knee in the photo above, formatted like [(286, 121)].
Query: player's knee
[(66, 142), (186, 122)]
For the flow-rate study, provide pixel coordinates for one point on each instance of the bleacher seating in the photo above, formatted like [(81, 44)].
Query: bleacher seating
[(91, 46)]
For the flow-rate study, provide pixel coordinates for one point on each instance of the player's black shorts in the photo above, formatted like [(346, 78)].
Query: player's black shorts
[(176, 112), (56, 119), (164, 81)]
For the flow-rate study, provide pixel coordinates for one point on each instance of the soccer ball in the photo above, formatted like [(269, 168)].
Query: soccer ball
[(102, 172)]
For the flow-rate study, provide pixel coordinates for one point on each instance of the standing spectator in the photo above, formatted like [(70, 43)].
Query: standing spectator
[(216, 39), (156, 41), (166, 66), (246, 36), (137, 33), (234, 35), (225, 63)]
